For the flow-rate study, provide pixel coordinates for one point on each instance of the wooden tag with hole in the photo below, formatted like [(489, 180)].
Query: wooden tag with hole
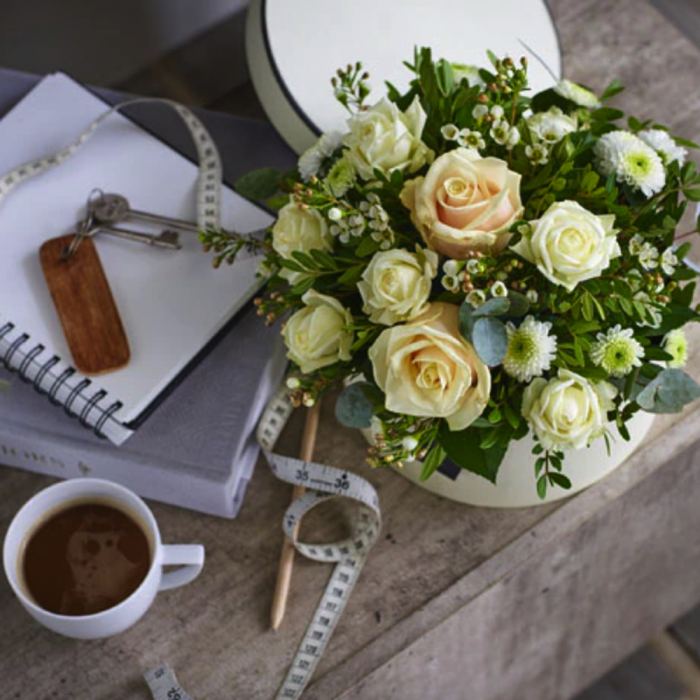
[(86, 307)]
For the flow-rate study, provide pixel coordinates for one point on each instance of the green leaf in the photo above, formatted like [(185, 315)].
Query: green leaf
[(463, 449), (353, 408), (466, 321), (668, 392), (367, 246), (542, 487), (560, 480), (435, 458), (496, 306), (259, 184), (490, 340), (684, 142), (613, 89), (519, 305), (445, 77)]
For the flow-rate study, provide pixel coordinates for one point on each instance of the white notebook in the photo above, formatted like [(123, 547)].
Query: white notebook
[(172, 303)]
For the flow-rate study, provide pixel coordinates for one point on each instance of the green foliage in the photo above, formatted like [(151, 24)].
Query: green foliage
[(259, 184), (354, 407)]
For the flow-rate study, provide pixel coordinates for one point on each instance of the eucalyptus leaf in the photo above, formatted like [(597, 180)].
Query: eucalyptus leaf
[(353, 408), (496, 306), (259, 184), (668, 392), (490, 340)]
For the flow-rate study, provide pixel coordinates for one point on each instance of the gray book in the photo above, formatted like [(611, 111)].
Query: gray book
[(197, 450)]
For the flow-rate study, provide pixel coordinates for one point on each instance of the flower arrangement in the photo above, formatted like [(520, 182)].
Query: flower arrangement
[(475, 264)]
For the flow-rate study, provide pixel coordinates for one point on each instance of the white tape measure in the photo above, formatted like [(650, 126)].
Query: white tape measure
[(349, 555), (210, 170)]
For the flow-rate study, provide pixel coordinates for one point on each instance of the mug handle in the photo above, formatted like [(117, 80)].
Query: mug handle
[(190, 557)]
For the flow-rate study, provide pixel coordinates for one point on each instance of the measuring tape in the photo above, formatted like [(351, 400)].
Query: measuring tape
[(349, 555)]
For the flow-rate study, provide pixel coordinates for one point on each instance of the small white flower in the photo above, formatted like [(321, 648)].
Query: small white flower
[(497, 112), (578, 94), (675, 343), (552, 126), (648, 257), (480, 111), (498, 289), (538, 153), (531, 349), (409, 444), (500, 131), (450, 283), (476, 298), (669, 261), (473, 267), (452, 267), (661, 142), (293, 383), (636, 243), (632, 161), (651, 308), (513, 138), (532, 296), (471, 139), (617, 351), (449, 132), (334, 214)]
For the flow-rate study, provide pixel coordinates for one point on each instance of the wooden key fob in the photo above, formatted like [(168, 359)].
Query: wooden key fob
[(85, 305)]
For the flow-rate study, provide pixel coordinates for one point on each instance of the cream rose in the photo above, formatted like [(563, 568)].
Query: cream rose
[(300, 230), (426, 368), (569, 411), (569, 244), (317, 336), (387, 139), (396, 285), (464, 203)]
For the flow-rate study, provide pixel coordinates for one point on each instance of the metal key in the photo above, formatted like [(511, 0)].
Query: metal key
[(114, 208), (166, 239)]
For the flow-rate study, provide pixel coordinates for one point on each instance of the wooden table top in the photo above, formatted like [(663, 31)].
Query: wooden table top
[(433, 557)]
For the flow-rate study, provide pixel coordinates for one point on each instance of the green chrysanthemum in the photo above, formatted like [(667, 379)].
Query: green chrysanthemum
[(531, 349), (617, 352), (341, 177), (675, 343)]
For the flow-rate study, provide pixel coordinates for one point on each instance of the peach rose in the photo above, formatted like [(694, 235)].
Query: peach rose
[(464, 203), (426, 368)]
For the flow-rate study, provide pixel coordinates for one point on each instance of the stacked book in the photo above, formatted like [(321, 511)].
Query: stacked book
[(177, 423)]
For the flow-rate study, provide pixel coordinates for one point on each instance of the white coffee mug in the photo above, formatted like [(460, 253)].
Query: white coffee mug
[(116, 619)]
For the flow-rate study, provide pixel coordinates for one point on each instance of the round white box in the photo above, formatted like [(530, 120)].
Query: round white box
[(294, 48)]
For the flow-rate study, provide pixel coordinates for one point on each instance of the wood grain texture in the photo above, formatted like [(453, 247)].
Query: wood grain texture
[(83, 299), (454, 602)]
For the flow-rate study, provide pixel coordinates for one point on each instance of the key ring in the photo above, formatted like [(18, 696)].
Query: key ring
[(84, 229)]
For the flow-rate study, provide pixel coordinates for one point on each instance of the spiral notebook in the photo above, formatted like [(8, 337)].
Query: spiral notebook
[(172, 304)]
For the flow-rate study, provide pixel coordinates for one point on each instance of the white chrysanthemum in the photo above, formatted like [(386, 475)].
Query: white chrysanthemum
[(578, 94), (660, 141), (617, 351), (531, 349), (632, 161), (675, 343)]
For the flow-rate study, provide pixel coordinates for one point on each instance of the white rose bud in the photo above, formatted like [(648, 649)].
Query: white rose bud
[(396, 285), (387, 139), (300, 230), (317, 336), (569, 244), (426, 368), (568, 411)]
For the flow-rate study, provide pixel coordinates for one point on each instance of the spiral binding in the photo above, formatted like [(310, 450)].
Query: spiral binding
[(51, 388)]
